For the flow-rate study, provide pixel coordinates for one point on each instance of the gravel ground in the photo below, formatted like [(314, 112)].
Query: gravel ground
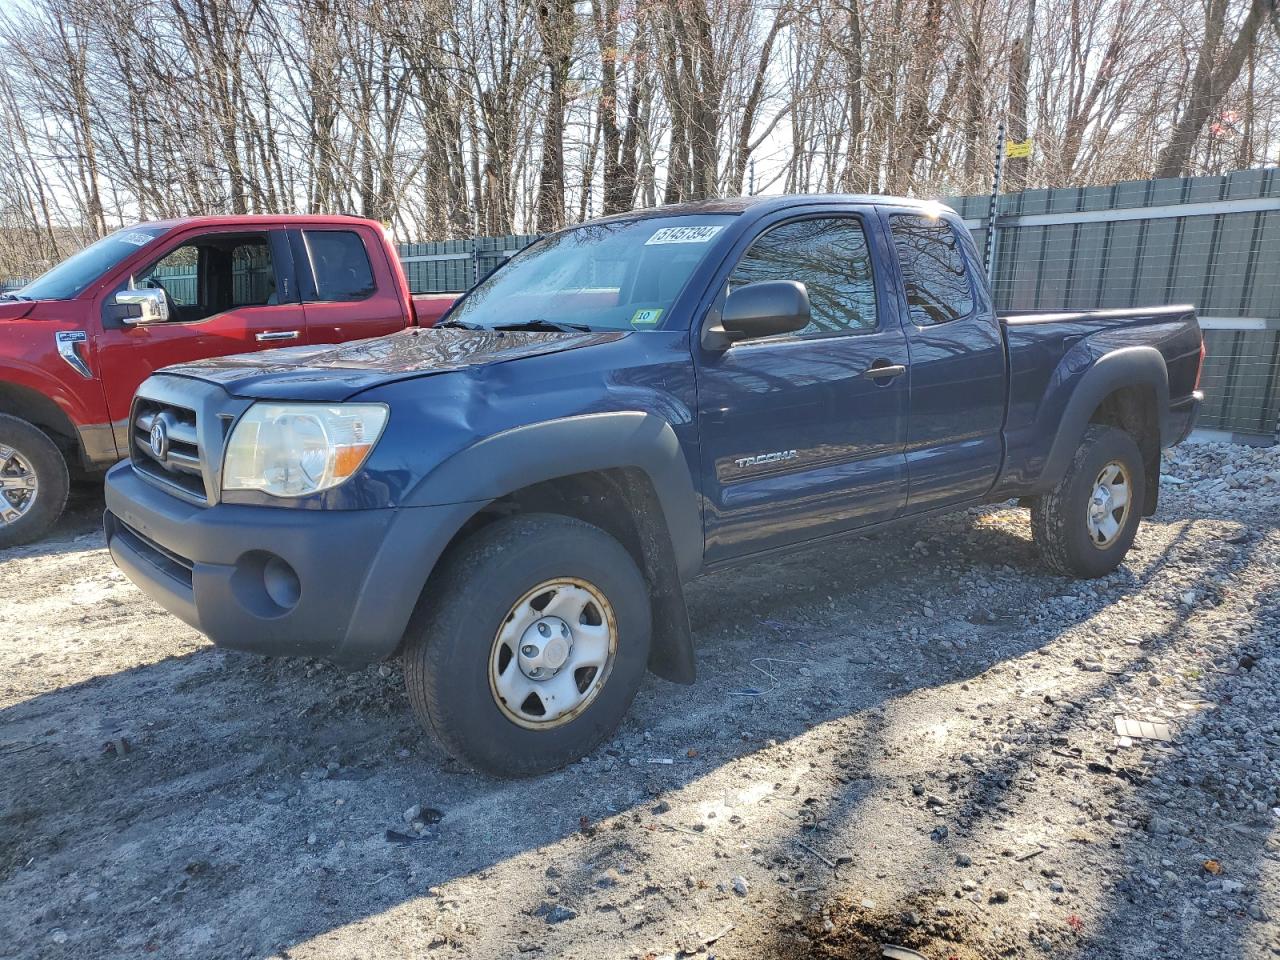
[(908, 739)]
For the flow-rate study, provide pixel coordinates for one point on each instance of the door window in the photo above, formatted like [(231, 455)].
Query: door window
[(830, 257), (933, 269), (211, 275), (340, 264)]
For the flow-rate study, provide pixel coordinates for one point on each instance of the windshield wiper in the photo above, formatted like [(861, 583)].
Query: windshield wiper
[(459, 324), (543, 324), (13, 296)]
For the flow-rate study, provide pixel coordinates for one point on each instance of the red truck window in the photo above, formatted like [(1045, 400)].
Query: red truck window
[(213, 274), (340, 265)]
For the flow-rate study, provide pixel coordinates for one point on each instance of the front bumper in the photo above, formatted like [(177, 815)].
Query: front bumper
[(339, 584)]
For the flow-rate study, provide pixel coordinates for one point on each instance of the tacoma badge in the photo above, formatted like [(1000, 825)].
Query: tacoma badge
[(776, 457)]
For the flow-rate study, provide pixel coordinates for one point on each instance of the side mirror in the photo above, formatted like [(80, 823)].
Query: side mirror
[(765, 309), (153, 306)]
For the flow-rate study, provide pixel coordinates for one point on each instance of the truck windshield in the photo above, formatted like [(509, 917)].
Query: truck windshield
[(72, 276), (618, 275)]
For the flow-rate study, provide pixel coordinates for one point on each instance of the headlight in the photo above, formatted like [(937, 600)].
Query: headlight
[(293, 449)]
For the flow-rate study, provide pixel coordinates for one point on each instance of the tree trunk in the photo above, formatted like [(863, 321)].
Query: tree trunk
[(1019, 77), (555, 24), (1211, 80), (705, 130)]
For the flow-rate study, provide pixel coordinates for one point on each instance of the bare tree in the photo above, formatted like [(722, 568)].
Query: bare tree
[(450, 117), (1217, 69)]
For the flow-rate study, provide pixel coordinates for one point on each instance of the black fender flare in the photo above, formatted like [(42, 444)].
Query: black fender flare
[(1125, 367), (516, 458)]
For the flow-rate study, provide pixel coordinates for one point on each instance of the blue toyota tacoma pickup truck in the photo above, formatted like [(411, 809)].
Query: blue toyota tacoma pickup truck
[(513, 500)]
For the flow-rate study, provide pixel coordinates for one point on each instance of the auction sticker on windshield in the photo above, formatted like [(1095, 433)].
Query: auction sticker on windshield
[(646, 318), (137, 239), (682, 235)]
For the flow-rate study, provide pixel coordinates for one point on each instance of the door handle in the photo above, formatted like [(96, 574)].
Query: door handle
[(277, 335), (882, 371)]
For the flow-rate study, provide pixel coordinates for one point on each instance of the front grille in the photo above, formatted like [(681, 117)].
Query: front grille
[(177, 462)]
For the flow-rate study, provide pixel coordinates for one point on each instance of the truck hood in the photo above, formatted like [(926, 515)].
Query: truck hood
[(334, 372)]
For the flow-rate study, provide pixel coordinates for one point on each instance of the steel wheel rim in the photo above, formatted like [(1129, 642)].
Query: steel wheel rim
[(1109, 504), (552, 654), (19, 486)]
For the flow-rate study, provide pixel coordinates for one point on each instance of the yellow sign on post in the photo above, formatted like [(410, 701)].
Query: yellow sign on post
[(1018, 149)]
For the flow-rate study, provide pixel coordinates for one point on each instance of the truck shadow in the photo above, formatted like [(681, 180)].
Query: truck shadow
[(993, 818), (215, 805)]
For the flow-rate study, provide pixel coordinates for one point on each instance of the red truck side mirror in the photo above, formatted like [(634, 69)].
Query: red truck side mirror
[(153, 306)]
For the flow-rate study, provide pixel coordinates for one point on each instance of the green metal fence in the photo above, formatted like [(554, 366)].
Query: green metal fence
[(450, 266), (1213, 242)]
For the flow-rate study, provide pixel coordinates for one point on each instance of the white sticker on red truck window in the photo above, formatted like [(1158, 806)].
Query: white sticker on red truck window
[(137, 239), (683, 235)]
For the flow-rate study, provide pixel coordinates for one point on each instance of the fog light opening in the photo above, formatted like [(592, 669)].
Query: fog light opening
[(281, 583)]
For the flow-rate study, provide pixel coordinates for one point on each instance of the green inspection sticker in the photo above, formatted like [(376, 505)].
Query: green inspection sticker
[(645, 318)]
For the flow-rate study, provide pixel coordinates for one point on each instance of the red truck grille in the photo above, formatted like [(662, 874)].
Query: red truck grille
[(164, 447)]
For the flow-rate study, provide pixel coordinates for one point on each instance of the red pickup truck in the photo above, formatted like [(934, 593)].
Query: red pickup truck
[(76, 342)]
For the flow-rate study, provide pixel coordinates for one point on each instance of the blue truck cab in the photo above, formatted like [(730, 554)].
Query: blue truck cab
[(513, 500)]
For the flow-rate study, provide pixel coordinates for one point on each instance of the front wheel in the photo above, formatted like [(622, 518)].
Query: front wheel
[(530, 644), (33, 482), (1085, 525)]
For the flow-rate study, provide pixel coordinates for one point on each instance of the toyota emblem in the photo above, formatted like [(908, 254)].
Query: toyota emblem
[(159, 440)]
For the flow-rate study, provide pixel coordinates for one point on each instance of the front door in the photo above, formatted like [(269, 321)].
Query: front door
[(229, 291), (800, 437)]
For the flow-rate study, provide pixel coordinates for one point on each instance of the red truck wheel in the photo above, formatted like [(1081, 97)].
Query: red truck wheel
[(33, 482)]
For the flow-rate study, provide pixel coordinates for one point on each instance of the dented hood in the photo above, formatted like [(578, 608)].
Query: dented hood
[(333, 372)]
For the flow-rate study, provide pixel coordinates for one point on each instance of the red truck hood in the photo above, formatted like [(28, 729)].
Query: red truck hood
[(337, 371)]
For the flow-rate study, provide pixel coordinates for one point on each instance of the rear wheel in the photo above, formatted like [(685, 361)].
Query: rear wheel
[(1086, 524), (530, 645), (33, 482)]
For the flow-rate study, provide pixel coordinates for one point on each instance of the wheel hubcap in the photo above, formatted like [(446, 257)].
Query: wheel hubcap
[(553, 653), (1109, 503), (545, 647), (18, 485)]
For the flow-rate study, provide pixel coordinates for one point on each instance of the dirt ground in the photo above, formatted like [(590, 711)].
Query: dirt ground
[(903, 740)]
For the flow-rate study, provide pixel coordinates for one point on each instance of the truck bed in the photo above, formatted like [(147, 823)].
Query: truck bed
[(1047, 352)]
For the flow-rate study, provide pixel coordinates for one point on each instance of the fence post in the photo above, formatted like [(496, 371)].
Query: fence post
[(995, 199)]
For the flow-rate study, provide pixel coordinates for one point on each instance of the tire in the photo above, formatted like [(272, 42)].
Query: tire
[(1065, 521), (480, 600), (26, 450)]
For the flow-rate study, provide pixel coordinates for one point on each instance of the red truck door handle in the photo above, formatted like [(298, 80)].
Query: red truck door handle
[(884, 370), (277, 335)]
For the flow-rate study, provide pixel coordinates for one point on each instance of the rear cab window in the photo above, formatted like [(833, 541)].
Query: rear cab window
[(340, 265), (935, 274)]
